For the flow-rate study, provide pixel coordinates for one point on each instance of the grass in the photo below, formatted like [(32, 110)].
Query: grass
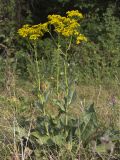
[(21, 108)]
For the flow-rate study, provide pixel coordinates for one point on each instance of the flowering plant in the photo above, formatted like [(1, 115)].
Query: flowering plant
[(66, 26)]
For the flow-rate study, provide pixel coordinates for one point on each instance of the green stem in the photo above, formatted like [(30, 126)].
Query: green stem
[(37, 67), (44, 112), (58, 71), (58, 68), (38, 83), (66, 118), (66, 81), (66, 123), (45, 123), (65, 73), (55, 43), (65, 65)]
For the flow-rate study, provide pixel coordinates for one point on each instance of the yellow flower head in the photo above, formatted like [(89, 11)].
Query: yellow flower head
[(80, 38), (63, 25), (24, 31), (66, 26), (74, 13), (33, 32)]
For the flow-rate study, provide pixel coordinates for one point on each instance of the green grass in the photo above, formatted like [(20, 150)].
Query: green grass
[(19, 109)]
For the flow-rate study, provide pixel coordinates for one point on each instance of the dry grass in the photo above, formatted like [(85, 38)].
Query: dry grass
[(100, 95)]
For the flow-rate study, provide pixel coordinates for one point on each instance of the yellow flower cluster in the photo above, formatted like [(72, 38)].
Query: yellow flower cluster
[(80, 38), (63, 25), (66, 26), (33, 32), (74, 13)]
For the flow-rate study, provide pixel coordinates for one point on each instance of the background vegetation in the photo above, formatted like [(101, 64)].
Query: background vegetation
[(32, 124)]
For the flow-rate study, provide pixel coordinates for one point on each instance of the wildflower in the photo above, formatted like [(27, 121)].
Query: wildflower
[(24, 30), (63, 25), (34, 36), (33, 32), (66, 26), (74, 13), (80, 38)]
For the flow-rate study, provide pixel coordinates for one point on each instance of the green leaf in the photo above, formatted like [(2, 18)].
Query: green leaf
[(40, 139), (60, 104), (89, 124), (71, 95), (59, 139), (39, 105)]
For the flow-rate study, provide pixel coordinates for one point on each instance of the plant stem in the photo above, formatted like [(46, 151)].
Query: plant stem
[(66, 81), (44, 112), (37, 66), (58, 70), (65, 65), (65, 73), (66, 118)]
